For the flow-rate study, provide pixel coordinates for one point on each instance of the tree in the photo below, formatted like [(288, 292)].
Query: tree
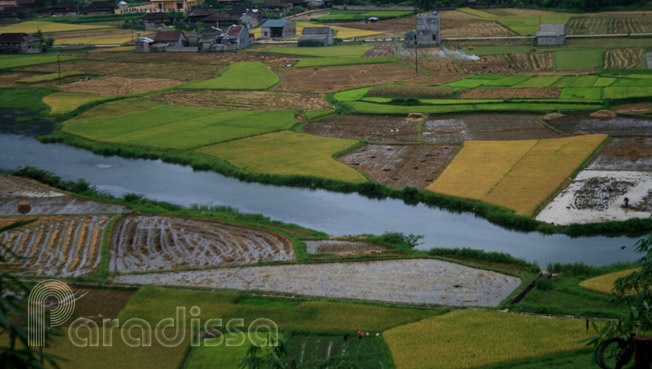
[(633, 294), (13, 321), (272, 356)]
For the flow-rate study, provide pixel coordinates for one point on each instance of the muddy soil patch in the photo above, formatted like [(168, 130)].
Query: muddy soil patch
[(432, 80), (403, 281), (339, 246), (62, 247), (184, 72), (623, 126), (508, 93), (485, 127), (118, 86), (365, 127), (625, 153), (599, 196), (142, 243), (341, 78), (399, 166), (251, 100), (97, 304), (382, 51)]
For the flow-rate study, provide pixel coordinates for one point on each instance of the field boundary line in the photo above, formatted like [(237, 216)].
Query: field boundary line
[(511, 168)]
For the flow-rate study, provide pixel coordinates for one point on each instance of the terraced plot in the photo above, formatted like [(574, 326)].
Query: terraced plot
[(631, 58), (474, 127), (364, 127), (537, 62), (118, 86), (143, 243), (339, 246), (620, 126), (402, 165), (408, 281), (250, 100), (57, 246), (625, 153)]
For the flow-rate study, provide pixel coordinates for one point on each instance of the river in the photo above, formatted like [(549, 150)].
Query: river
[(334, 213)]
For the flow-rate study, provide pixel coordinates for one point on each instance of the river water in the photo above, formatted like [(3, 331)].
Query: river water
[(334, 213)]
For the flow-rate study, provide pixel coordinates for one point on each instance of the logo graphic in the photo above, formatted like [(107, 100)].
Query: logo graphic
[(40, 301)]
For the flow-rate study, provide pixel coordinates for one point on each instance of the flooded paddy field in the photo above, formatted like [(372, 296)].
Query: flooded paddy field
[(417, 281), (365, 127), (620, 126), (599, 196), (143, 243), (399, 166), (482, 127), (625, 153)]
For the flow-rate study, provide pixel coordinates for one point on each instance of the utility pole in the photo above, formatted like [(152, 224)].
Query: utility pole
[(416, 51), (59, 66)]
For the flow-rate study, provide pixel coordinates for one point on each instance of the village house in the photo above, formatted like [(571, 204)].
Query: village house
[(250, 19), (428, 29), (278, 28), (122, 5), (551, 35), (316, 36), (410, 39), (65, 8), (170, 38), (153, 21), (175, 5), (167, 41), (239, 36), (221, 20), (198, 14), (100, 7), (20, 43)]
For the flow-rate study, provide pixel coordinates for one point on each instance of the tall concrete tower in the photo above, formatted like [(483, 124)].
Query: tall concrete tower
[(428, 29)]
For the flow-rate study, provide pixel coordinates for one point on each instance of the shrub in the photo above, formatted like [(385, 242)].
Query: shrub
[(411, 91), (398, 238)]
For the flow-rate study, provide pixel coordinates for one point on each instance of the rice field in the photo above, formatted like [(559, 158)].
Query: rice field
[(604, 283), (48, 77), (58, 246), (333, 51), (65, 102), (252, 75), (48, 27), (24, 60), (473, 339), (288, 153), (518, 175)]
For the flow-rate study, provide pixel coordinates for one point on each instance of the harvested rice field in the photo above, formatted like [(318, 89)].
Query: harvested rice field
[(250, 100), (185, 72), (455, 28), (377, 128), (536, 62), (474, 127), (341, 78), (439, 66), (620, 126), (402, 165), (487, 64), (57, 246), (118, 86), (340, 246), (510, 93), (418, 281), (47, 200), (625, 153), (631, 58), (144, 243), (599, 196)]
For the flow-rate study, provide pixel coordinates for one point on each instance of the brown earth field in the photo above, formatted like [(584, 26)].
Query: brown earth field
[(523, 62), (382, 51), (341, 78), (472, 127), (100, 303), (365, 127), (402, 165), (134, 70), (142, 243), (630, 58), (432, 80), (464, 28), (486, 64), (625, 153), (507, 93), (251, 100), (438, 66), (118, 86), (57, 246), (636, 108), (620, 126)]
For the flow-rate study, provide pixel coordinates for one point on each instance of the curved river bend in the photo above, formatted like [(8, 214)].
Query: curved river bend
[(333, 213)]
